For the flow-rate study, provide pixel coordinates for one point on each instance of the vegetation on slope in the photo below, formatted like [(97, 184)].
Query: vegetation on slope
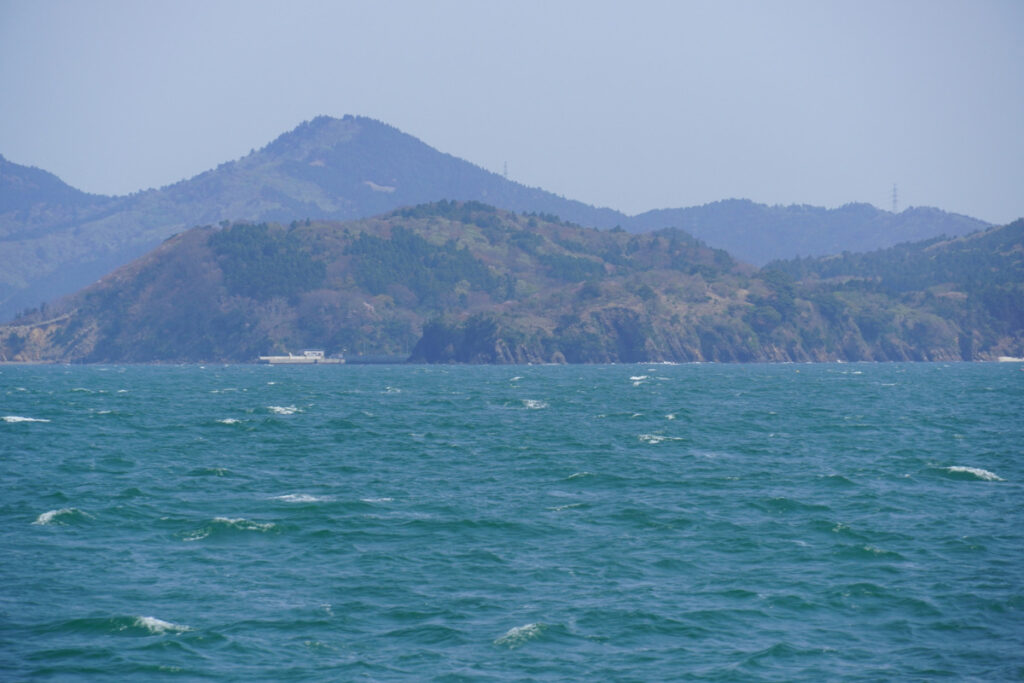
[(465, 282)]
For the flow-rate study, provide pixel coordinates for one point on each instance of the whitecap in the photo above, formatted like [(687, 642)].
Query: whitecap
[(639, 378), (577, 475), (533, 404), (244, 524), (239, 523), (159, 626), (568, 506), (283, 410), (19, 418), (516, 378), (376, 500), (518, 635), (658, 438), (300, 498), (51, 516), (229, 421), (976, 471)]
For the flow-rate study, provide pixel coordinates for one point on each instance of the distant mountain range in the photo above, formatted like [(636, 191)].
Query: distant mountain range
[(466, 282), (55, 239)]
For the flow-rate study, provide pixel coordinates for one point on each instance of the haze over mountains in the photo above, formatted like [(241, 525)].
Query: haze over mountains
[(55, 239)]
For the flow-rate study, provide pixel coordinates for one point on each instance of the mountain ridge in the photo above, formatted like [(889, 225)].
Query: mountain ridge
[(56, 240), (466, 282)]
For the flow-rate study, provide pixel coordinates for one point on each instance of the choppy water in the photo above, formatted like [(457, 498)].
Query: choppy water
[(618, 522)]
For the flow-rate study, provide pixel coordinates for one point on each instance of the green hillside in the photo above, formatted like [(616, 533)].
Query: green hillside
[(465, 282)]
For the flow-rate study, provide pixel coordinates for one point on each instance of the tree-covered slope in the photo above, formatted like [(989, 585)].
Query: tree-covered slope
[(972, 286), (327, 168), (55, 239), (465, 282)]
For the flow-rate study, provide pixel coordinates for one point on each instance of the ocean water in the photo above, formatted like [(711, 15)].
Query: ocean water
[(629, 522)]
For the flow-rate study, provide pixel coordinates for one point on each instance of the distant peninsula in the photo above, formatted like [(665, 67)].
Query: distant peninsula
[(466, 282)]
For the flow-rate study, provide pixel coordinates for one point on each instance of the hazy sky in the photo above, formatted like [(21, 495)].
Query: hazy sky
[(636, 105)]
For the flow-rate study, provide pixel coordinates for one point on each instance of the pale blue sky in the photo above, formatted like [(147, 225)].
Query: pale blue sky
[(635, 105)]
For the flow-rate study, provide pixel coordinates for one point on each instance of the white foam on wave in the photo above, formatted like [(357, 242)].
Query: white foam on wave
[(514, 637), (159, 626), (283, 410), (639, 378), (568, 506), (376, 500), (19, 418), (534, 404), (242, 523), (658, 438), (300, 498), (239, 523), (229, 421), (976, 471), (51, 516), (516, 378), (577, 475)]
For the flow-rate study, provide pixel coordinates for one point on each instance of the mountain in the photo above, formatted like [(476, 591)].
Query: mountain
[(757, 233), (55, 242), (466, 282), (55, 239)]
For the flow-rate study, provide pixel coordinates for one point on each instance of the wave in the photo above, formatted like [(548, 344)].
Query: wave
[(658, 438), (207, 471), (284, 410), (520, 635), (376, 500), (18, 418), (533, 404), (229, 421), (300, 498), (220, 525), (974, 472), (159, 626), (54, 516), (568, 506), (139, 625)]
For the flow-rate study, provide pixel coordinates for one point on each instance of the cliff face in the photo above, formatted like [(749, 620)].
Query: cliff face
[(467, 283)]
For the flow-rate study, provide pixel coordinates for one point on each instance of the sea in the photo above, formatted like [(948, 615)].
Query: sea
[(620, 522)]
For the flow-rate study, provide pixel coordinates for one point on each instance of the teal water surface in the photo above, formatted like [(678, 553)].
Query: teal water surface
[(637, 522)]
